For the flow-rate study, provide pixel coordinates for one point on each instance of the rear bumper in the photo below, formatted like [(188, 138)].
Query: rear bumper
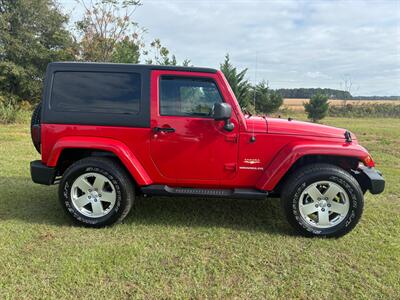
[(42, 174), (374, 180)]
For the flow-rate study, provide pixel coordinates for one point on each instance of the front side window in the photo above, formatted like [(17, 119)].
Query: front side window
[(96, 92), (180, 96)]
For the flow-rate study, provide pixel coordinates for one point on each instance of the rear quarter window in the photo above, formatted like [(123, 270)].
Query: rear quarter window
[(96, 92)]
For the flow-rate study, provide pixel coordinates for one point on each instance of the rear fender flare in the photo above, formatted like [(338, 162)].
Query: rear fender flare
[(121, 150), (289, 154)]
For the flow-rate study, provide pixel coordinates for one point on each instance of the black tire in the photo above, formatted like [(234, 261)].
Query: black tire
[(36, 120), (122, 182), (301, 179)]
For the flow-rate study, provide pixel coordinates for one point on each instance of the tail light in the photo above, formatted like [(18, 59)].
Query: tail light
[(368, 161), (35, 135)]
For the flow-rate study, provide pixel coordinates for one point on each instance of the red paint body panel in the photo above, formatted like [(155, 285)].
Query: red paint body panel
[(60, 137), (284, 126), (256, 124), (291, 152), (199, 150), (200, 153)]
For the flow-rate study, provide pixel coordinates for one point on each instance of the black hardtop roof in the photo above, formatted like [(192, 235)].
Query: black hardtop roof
[(142, 67)]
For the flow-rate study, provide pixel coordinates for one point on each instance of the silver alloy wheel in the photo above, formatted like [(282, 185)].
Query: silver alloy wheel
[(324, 204), (93, 195)]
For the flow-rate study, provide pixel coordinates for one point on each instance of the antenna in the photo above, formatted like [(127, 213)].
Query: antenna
[(253, 137)]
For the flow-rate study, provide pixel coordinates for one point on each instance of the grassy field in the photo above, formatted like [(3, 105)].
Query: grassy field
[(297, 103), (195, 248)]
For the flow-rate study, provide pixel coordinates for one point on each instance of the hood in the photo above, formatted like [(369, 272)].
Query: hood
[(259, 124), (285, 126)]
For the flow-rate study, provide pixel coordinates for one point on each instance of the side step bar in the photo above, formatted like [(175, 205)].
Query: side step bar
[(165, 190)]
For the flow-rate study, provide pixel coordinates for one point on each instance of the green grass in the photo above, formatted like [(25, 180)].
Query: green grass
[(194, 248)]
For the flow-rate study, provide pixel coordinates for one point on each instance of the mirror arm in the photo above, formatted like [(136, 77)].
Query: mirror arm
[(229, 126)]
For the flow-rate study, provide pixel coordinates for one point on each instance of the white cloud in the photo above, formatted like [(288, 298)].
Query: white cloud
[(317, 74), (298, 43)]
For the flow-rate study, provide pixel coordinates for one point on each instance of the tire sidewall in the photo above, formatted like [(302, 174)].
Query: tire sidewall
[(355, 198), (65, 196)]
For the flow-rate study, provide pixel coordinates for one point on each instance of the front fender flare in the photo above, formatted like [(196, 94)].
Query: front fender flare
[(121, 150), (290, 153)]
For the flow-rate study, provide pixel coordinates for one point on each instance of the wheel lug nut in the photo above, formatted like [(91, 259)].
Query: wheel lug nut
[(329, 205), (323, 209), (99, 195), (316, 205), (89, 197), (90, 191)]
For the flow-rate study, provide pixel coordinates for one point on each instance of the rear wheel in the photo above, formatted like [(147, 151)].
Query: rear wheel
[(322, 200), (96, 192)]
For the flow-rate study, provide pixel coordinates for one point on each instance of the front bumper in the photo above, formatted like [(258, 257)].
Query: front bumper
[(372, 179), (42, 174)]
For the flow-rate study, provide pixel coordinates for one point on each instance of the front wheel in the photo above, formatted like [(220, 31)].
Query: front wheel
[(322, 200), (96, 192)]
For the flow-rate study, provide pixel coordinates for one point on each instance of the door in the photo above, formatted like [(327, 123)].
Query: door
[(187, 144)]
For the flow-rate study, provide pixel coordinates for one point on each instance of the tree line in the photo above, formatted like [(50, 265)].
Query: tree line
[(309, 92)]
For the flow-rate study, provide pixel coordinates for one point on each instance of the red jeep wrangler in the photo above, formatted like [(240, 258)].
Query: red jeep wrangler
[(107, 132)]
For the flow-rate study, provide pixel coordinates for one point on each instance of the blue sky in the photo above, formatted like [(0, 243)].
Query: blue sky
[(298, 43)]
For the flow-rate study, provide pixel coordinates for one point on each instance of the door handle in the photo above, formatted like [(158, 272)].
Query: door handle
[(163, 129)]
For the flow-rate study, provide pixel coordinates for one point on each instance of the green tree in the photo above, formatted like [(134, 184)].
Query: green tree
[(239, 85), (108, 33), (126, 51), (32, 34), (161, 55), (266, 100), (317, 107)]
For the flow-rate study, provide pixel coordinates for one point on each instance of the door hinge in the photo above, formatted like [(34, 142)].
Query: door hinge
[(230, 167)]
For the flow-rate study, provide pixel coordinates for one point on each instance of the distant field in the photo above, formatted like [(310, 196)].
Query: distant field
[(297, 103)]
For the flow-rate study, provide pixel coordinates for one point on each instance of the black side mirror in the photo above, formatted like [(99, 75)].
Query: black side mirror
[(223, 112)]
